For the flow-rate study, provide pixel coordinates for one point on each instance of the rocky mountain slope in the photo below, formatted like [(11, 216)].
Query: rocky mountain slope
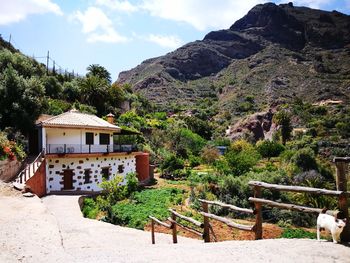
[(274, 54)]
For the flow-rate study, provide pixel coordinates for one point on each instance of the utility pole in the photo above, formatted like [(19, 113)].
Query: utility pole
[(10, 39), (47, 62)]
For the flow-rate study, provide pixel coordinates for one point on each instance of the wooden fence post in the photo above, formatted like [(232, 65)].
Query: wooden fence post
[(173, 217), (153, 237), (258, 214), (342, 168), (206, 234)]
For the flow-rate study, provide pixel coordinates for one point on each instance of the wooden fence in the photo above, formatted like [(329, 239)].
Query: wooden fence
[(341, 193), (205, 226)]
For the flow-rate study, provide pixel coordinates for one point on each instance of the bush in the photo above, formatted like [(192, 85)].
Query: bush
[(269, 149), (241, 157), (210, 154), (90, 208), (155, 202), (297, 233), (171, 164), (235, 190), (305, 159)]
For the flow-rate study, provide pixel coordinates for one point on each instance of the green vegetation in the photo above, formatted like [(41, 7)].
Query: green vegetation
[(297, 233), (134, 212)]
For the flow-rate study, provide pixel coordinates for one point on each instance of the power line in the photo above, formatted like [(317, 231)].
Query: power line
[(12, 41)]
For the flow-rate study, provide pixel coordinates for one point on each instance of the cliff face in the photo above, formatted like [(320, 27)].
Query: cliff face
[(273, 54)]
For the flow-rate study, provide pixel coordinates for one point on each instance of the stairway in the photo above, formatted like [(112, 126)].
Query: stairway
[(29, 171)]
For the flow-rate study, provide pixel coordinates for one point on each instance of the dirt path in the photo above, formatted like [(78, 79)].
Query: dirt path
[(53, 230)]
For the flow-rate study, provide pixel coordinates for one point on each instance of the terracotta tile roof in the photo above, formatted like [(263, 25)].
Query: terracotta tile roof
[(76, 119)]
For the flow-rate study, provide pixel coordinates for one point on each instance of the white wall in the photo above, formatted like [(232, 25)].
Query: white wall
[(74, 139), (55, 167)]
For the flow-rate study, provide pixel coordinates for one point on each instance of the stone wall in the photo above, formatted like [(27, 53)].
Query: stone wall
[(9, 169), (117, 165)]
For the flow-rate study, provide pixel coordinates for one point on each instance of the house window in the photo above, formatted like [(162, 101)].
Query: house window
[(87, 176), (121, 168), (89, 138), (105, 173), (104, 138)]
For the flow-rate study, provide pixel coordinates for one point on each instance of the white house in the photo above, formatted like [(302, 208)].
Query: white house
[(79, 150)]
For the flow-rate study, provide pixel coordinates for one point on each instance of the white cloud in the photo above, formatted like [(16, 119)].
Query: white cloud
[(165, 41), (12, 11), (97, 26), (124, 6), (201, 14)]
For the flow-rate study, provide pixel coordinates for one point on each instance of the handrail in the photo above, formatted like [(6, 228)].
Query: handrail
[(188, 219), (228, 222), (19, 177), (232, 207), (300, 189), (285, 206)]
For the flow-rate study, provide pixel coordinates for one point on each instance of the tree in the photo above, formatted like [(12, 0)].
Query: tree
[(282, 118), (100, 72), (94, 92), (269, 149), (22, 100)]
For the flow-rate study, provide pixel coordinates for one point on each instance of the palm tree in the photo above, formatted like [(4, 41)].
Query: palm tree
[(94, 92), (100, 72)]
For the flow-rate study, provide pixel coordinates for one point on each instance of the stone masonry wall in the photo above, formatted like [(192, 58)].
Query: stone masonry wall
[(117, 165)]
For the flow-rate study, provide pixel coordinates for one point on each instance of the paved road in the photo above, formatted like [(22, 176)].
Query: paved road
[(53, 230)]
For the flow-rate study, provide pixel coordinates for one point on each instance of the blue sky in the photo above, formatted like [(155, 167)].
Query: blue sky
[(120, 34)]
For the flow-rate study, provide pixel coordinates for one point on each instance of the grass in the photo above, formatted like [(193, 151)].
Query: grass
[(297, 233), (155, 202)]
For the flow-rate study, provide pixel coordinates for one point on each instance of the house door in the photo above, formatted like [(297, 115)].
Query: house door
[(67, 179)]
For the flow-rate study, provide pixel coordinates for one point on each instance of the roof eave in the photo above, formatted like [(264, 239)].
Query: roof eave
[(86, 127)]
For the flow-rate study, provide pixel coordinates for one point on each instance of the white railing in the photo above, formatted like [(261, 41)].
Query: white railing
[(30, 169), (88, 148)]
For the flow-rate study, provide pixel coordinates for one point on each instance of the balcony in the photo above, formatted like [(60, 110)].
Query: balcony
[(89, 148)]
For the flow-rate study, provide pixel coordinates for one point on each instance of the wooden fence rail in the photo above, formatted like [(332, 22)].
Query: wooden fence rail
[(188, 219), (228, 222), (231, 207), (153, 221), (224, 220), (298, 189), (285, 206)]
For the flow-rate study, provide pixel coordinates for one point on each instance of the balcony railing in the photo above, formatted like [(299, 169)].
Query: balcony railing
[(88, 148)]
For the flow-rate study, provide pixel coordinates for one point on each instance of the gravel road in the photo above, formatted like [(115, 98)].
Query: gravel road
[(52, 229)]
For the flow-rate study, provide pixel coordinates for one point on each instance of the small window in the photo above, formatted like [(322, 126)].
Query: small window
[(121, 168), (87, 176), (105, 173), (104, 138), (89, 138)]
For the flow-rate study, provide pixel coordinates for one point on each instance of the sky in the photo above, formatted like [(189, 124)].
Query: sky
[(120, 34)]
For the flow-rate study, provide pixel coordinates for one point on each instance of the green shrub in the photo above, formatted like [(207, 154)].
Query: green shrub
[(90, 208), (305, 159), (235, 189), (269, 149), (241, 157), (155, 202), (194, 160), (297, 233), (171, 164)]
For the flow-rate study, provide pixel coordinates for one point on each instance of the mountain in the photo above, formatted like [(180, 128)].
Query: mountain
[(273, 55)]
